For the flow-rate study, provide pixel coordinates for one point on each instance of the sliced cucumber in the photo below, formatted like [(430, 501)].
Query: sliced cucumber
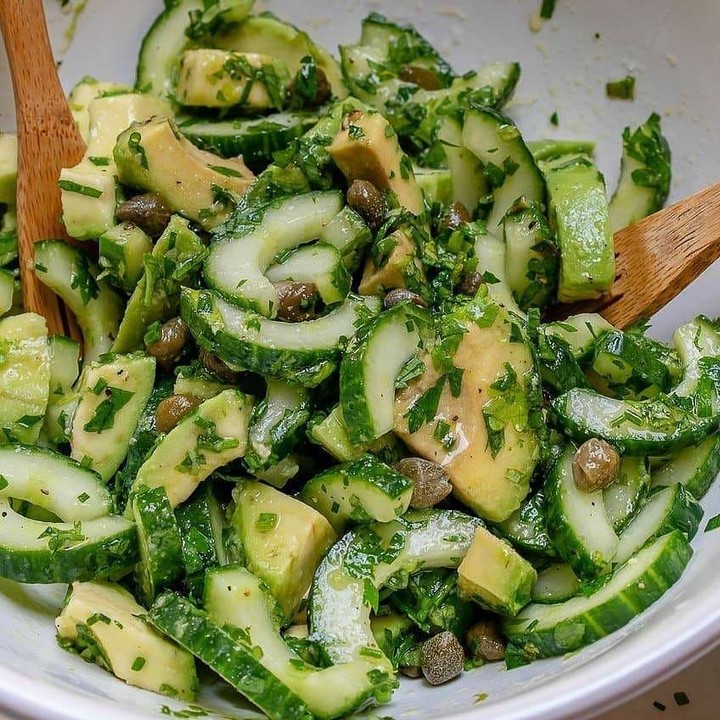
[(550, 149), (526, 528), (112, 395), (96, 305), (320, 264), (236, 267), (24, 377), (360, 491), (161, 554), (558, 368), (581, 332), (349, 579), (7, 291), (509, 166), (695, 467), (221, 650), (64, 369), (349, 233), (369, 371), (122, 253), (547, 630), (491, 253), (642, 427), (668, 509), (208, 438), (305, 353), (556, 583), (32, 551), (577, 521), (331, 433), (436, 185), (624, 497), (103, 623)]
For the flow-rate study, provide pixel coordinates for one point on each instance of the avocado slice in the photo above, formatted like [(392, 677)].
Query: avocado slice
[(154, 156), (283, 540), (494, 575), (476, 414)]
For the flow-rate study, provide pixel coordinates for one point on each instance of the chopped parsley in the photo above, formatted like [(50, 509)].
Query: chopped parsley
[(266, 521), (547, 9), (105, 412), (713, 523), (73, 187), (621, 89)]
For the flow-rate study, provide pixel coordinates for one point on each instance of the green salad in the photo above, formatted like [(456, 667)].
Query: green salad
[(323, 428)]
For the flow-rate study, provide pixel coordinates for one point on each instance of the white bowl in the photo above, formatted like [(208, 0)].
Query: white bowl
[(673, 50)]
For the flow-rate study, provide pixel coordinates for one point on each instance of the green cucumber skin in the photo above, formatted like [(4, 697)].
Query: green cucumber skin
[(161, 552), (531, 515), (686, 429), (704, 474), (197, 534), (529, 643), (193, 630), (558, 367), (306, 367)]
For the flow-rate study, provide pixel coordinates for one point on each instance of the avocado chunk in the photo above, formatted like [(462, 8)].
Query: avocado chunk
[(496, 576), (89, 191), (8, 168), (154, 156), (283, 540), (112, 396), (209, 437), (101, 622), (477, 413), (220, 79), (400, 268), (579, 216)]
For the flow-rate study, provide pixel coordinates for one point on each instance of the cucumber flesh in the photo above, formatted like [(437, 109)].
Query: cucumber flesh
[(623, 498), (556, 583), (581, 332), (694, 467)]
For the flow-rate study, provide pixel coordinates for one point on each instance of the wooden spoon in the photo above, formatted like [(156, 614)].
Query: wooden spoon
[(48, 140)]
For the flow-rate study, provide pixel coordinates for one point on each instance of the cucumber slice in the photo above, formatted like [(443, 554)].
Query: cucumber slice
[(8, 237), (235, 597), (558, 368), (32, 551), (509, 166), (320, 264), (161, 554), (236, 267), (550, 149), (369, 371), (577, 521), (694, 467), (491, 253), (360, 491), (349, 579), (96, 305), (276, 424), (526, 528), (112, 395), (53, 482), (103, 624), (624, 497), (7, 291), (64, 369), (223, 651), (305, 353), (255, 139), (24, 377), (581, 333), (436, 185), (555, 584), (642, 427), (211, 436), (347, 232), (547, 630), (668, 509), (122, 254), (696, 341), (331, 433)]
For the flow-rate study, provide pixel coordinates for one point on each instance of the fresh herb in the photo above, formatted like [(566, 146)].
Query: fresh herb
[(713, 523), (681, 698), (83, 280), (621, 89), (424, 409), (73, 187), (83, 498), (105, 412), (266, 522), (3, 482), (99, 161), (59, 538), (554, 119), (306, 81), (355, 132), (659, 706), (412, 369), (135, 146), (138, 664), (649, 147), (547, 9), (227, 171)]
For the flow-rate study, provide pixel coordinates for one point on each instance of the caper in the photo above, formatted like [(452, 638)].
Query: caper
[(457, 215), (443, 658), (149, 212), (368, 202), (219, 368), (484, 641), (595, 465), (470, 284), (174, 335), (398, 295), (426, 79), (296, 301), (431, 482), (173, 409), (323, 91)]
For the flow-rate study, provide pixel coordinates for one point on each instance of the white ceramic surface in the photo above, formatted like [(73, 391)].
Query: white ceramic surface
[(673, 49)]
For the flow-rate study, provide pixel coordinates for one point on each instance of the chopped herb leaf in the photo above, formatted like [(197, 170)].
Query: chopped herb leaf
[(547, 9), (266, 522), (73, 187), (104, 416), (621, 89), (681, 698)]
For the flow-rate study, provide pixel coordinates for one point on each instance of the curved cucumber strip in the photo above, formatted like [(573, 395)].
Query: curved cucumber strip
[(236, 597), (224, 652), (577, 521), (368, 372), (96, 305), (642, 427), (554, 584), (62, 552), (581, 332), (360, 491), (7, 291), (623, 498), (350, 235), (348, 581), (305, 353), (669, 509), (320, 264), (54, 482), (491, 253), (236, 267), (694, 467), (547, 630), (696, 341)]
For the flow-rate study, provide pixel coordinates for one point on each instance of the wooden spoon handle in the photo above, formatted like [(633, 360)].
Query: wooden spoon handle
[(48, 141)]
